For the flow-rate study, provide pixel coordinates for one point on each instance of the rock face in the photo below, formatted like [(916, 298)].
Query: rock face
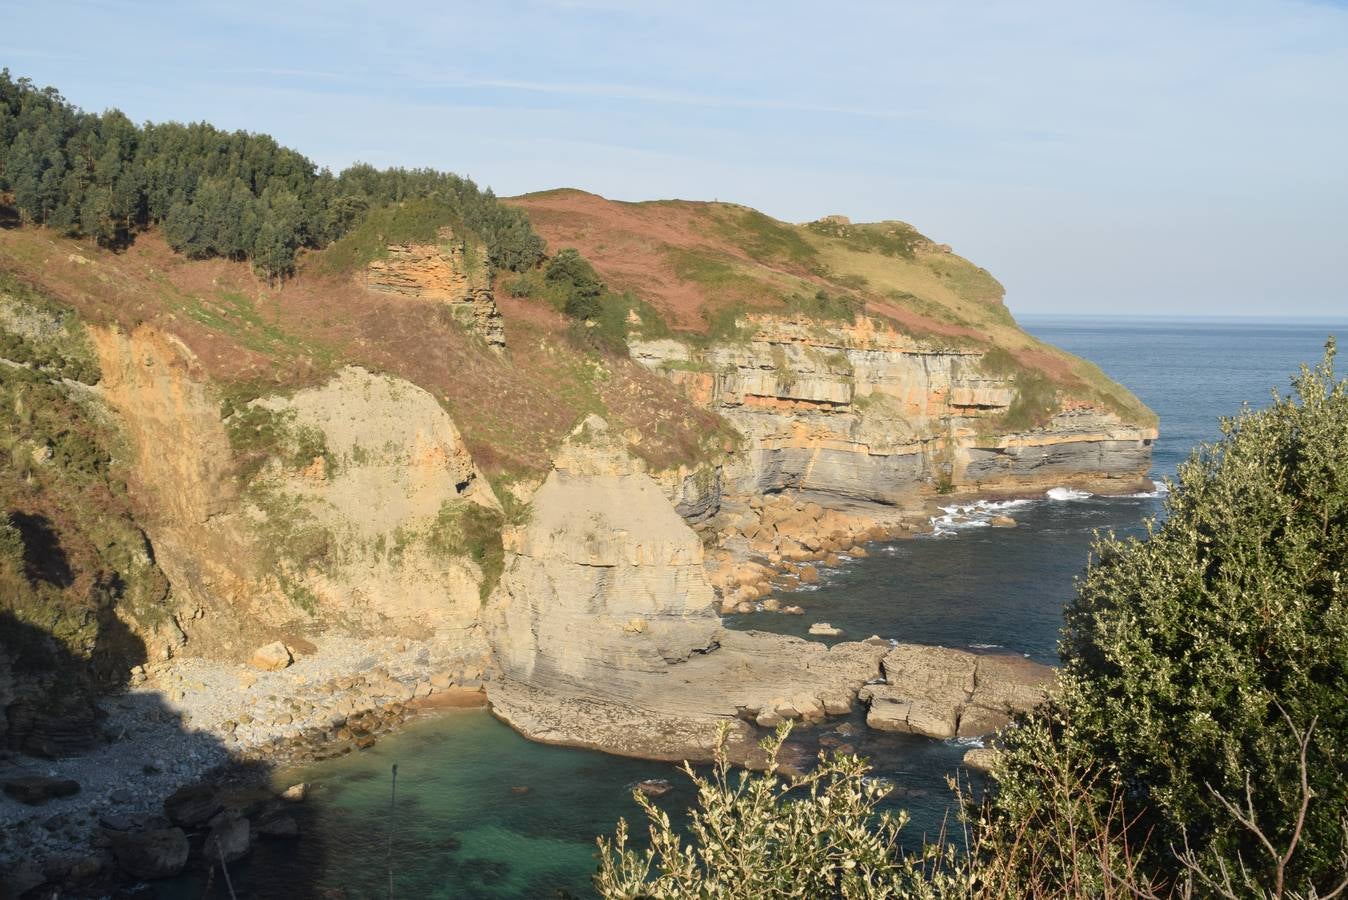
[(943, 693), (449, 271), (356, 527), (606, 580), (864, 411), (605, 631)]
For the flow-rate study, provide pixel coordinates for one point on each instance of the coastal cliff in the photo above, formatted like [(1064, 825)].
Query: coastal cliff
[(402, 455), (861, 411)]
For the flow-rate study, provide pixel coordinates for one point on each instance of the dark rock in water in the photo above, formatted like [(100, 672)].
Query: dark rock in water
[(231, 838), (846, 729), (830, 740), (35, 790), (191, 806), (151, 854), (121, 795), (280, 827), (654, 787)]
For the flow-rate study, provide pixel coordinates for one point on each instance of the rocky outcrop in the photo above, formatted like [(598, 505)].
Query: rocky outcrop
[(605, 580), (605, 631), (750, 680), (861, 410), (944, 693), (450, 271)]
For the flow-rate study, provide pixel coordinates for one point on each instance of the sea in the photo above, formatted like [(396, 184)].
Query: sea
[(476, 811)]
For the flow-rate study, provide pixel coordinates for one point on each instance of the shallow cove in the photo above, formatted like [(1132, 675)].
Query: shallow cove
[(462, 832)]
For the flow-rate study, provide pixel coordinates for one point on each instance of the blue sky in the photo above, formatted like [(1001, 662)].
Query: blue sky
[(1168, 157)]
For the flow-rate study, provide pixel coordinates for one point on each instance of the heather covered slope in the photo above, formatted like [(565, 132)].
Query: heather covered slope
[(249, 337), (701, 265)]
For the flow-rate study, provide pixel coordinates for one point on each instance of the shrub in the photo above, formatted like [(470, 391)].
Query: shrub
[(764, 835), (1202, 662)]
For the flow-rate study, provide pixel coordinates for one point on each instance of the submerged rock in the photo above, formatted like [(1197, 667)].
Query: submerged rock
[(654, 787)]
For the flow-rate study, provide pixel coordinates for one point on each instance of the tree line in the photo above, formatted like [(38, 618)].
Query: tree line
[(211, 192)]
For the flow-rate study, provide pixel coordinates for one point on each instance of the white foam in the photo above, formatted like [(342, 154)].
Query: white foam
[(967, 742), (985, 646), (1065, 493)]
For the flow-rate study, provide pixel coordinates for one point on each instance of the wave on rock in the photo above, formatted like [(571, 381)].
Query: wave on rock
[(1066, 493)]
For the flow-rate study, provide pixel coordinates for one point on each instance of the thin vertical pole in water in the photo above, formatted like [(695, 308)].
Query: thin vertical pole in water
[(392, 811)]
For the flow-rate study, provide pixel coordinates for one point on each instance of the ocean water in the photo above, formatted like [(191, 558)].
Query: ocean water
[(481, 812)]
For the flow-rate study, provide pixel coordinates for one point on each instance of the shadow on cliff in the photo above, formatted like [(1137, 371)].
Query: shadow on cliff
[(68, 717)]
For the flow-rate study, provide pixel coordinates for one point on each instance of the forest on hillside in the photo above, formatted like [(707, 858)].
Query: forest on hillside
[(211, 192)]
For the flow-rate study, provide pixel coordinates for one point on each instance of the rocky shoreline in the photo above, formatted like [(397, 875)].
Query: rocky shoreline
[(85, 822), (192, 724)]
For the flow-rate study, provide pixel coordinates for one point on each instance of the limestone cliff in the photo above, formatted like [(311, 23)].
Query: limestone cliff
[(861, 410), (344, 503), (605, 582)]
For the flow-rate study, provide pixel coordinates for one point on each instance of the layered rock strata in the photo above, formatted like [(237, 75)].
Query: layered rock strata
[(451, 272), (863, 411)]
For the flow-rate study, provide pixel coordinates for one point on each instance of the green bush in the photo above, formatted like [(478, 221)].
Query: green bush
[(766, 835), (1199, 659)]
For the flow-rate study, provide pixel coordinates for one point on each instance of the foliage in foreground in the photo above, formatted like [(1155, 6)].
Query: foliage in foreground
[(765, 835), (1197, 660)]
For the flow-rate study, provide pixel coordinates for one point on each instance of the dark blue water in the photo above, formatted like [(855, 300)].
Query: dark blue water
[(463, 830)]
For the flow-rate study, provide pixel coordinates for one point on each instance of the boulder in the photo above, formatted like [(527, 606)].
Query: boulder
[(654, 787), (278, 827), (230, 838), (809, 575), (825, 629), (296, 792), (1002, 522), (271, 657), (980, 759), (35, 790), (191, 806), (149, 855)]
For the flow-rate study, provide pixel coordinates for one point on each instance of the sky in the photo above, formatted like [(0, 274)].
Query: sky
[(1179, 158)]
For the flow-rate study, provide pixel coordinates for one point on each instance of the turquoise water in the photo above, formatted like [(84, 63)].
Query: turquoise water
[(483, 813)]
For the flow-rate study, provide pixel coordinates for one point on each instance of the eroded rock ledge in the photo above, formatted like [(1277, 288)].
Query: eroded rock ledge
[(944, 693)]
